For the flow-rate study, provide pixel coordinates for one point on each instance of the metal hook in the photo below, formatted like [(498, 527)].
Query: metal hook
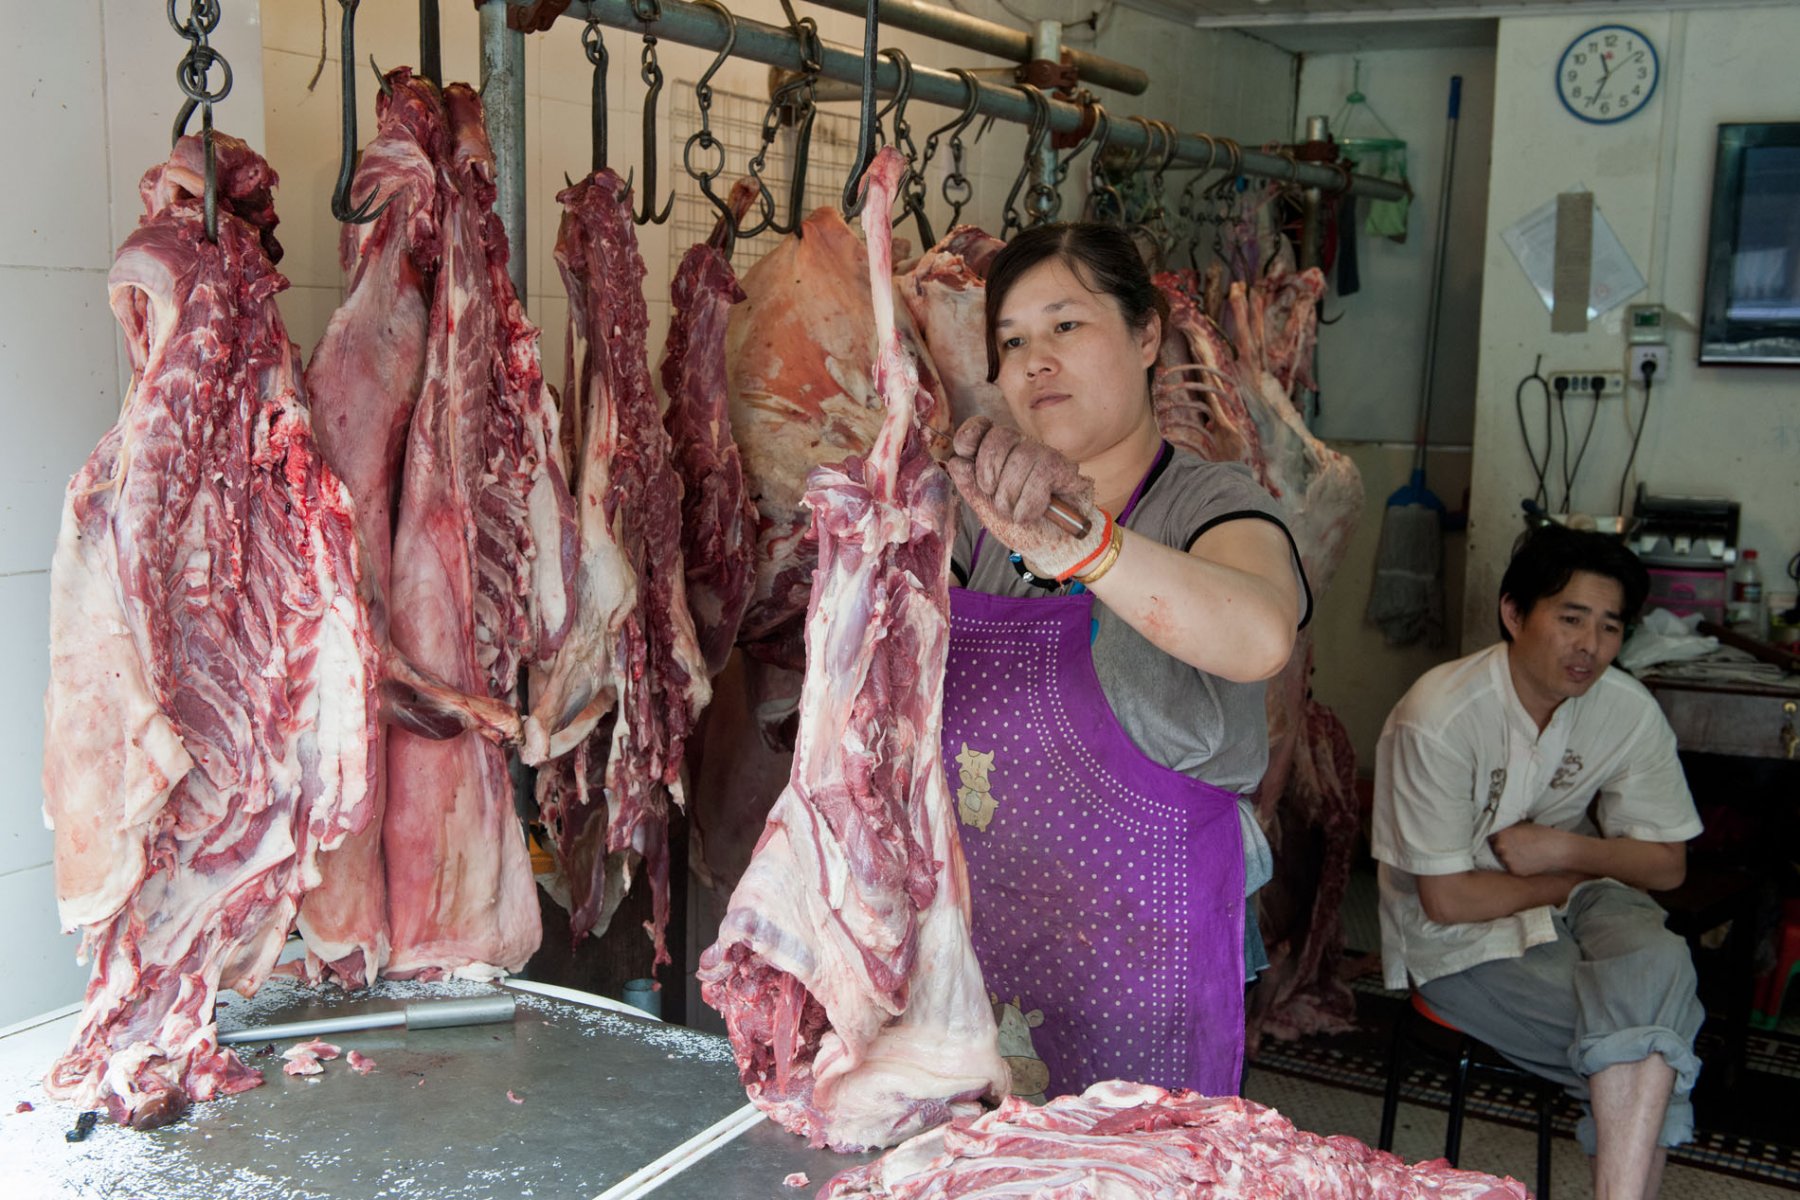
[(650, 12), (191, 76), (852, 200), (1011, 222), (594, 45), (703, 137), (1099, 186), (956, 189), (341, 207), (897, 102)]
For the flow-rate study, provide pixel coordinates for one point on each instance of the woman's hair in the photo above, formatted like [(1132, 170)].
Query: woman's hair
[(1103, 257), (1548, 558)]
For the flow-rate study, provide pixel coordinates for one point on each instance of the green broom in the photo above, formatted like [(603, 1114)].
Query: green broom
[(1406, 598)]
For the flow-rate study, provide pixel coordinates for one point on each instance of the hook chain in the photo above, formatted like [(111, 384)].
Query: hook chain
[(192, 75)]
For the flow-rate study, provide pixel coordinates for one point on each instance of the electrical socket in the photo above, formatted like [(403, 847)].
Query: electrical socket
[(1656, 352), (1579, 385)]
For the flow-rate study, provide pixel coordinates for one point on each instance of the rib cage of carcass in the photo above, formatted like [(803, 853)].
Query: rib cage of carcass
[(1225, 390)]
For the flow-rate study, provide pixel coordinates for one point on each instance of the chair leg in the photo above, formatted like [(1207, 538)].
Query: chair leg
[(1459, 1082), (1390, 1098), (1546, 1103)]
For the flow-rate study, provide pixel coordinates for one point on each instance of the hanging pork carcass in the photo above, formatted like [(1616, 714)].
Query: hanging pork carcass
[(946, 293), (718, 521), (612, 712), (1225, 390), (802, 395), (363, 381), (482, 585), (844, 966), (210, 721)]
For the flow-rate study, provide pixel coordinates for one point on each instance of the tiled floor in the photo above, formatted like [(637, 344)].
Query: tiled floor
[(1487, 1145)]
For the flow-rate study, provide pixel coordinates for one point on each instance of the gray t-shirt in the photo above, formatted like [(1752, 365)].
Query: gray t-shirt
[(1199, 724)]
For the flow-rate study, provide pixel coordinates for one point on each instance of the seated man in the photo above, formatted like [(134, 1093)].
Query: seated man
[(1524, 797)]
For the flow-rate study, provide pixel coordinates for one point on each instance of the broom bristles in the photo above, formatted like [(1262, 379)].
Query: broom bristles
[(1406, 597)]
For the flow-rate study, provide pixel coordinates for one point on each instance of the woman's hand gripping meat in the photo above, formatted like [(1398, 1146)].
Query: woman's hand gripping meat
[(1008, 480)]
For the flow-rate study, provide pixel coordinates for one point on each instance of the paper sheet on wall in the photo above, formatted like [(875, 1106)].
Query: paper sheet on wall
[(1614, 278)]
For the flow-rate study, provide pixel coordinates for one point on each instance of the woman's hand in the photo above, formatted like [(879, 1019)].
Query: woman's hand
[(1008, 479)]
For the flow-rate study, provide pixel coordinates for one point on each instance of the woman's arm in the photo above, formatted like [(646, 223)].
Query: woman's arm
[(1229, 607)]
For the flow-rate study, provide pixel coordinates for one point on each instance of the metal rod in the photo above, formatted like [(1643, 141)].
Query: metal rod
[(503, 103), (973, 33), (695, 25), (423, 1014), (1318, 129)]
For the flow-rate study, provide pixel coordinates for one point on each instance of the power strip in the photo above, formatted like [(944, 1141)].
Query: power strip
[(1580, 384)]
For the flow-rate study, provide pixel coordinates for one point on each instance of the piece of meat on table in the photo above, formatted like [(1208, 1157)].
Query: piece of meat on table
[(616, 706), (946, 293), (844, 967), (1129, 1141), (363, 380), (482, 585), (802, 396), (718, 521), (1226, 392), (210, 720)]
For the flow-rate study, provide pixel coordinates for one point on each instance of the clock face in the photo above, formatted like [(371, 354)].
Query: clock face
[(1607, 74)]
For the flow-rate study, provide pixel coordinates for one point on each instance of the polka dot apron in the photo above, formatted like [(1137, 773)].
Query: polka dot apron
[(1108, 890)]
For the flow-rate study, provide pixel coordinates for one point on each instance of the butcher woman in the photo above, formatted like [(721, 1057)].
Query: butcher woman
[(1103, 706)]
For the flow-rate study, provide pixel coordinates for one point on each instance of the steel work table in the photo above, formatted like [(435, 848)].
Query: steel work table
[(600, 1095)]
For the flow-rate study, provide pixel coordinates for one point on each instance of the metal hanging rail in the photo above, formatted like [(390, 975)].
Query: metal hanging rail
[(697, 25), (1002, 41)]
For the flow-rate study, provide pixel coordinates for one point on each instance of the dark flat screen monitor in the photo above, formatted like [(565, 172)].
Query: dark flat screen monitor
[(1751, 311)]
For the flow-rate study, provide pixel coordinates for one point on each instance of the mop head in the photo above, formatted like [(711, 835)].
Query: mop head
[(1406, 599)]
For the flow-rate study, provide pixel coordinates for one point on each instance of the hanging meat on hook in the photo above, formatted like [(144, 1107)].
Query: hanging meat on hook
[(364, 379), (718, 521), (612, 712), (482, 586), (946, 293), (844, 967), (210, 721), (802, 395), (1226, 392)]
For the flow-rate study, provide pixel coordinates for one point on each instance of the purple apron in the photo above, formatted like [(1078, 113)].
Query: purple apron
[(1108, 890)]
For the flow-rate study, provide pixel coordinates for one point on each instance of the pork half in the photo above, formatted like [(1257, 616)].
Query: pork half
[(210, 721), (844, 968), (946, 293), (363, 380), (803, 395), (1225, 390), (718, 521), (482, 585), (1125, 1141), (616, 706)]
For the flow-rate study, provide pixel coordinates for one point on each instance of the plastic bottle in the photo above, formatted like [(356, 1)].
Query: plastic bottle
[(1746, 613)]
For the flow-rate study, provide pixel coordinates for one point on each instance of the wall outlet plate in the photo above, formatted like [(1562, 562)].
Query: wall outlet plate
[(1656, 352), (1579, 385)]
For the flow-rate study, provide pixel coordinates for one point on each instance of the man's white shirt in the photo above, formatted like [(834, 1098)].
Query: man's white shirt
[(1460, 759)]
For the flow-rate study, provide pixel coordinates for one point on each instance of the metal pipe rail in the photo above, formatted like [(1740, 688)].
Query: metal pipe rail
[(989, 37), (696, 25)]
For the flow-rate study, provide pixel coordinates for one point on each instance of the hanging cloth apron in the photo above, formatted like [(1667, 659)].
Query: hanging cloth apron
[(1107, 889)]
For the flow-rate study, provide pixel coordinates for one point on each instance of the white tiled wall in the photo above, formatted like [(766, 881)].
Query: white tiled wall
[(88, 87)]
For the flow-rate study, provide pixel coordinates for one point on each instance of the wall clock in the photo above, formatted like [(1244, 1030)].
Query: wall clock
[(1607, 74)]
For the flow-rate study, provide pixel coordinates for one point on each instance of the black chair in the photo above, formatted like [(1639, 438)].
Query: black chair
[(1469, 1054)]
